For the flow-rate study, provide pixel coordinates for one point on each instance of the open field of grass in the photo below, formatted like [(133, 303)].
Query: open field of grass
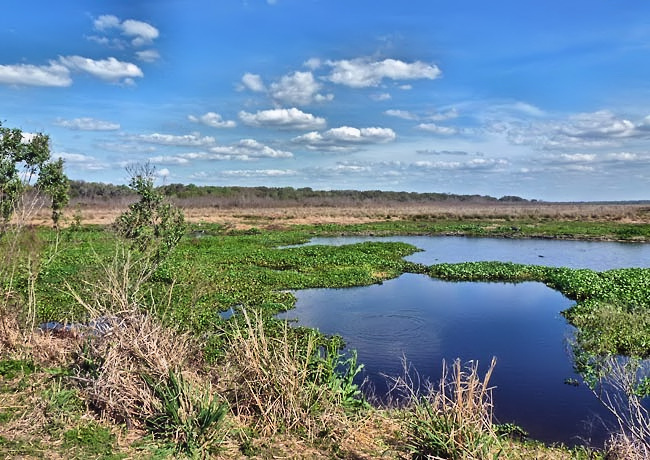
[(173, 377), (275, 215)]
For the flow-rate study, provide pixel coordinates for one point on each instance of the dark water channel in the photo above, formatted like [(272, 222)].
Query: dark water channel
[(428, 320)]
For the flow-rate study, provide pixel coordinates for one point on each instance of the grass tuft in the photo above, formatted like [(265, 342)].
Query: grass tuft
[(452, 420)]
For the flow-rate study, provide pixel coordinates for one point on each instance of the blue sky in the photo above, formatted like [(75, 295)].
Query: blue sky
[(542, 99)]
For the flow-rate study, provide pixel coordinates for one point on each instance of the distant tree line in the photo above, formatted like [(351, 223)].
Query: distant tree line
[(227, 196)]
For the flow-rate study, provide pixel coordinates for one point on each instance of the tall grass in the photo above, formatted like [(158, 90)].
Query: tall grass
[(135, 370), (20, 259), (273, 379), (452, 420)]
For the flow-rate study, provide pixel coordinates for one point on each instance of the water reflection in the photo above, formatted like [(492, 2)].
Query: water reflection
[(429, 320), (595, 255)]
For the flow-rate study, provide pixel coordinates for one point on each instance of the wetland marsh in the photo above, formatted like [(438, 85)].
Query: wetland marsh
[(427, 320), (265, 271)]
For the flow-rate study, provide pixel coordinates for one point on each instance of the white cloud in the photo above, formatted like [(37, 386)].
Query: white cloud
[(259, 173), (106, 69), (253, 82), (141, 33), (363, 72), (441, 116), (380, 96), (213, 119), (313, 63), (80, 161), (443, 152), (598, 124), (437, 129), (164, 172), (298, 88), (250, 148), (473, 164), (87, 124), (624, 156), (584, 130), (106, 21), (403, 114), (169, 160), (187, 140), (292, 118), (54, 74), (126, 147), (576, 157), (148, 55), (345, 137)]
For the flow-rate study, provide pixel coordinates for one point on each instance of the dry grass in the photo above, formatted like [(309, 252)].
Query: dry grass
[(450, 420), (112, 366), (270, 381), (247, 216), (621, 447)]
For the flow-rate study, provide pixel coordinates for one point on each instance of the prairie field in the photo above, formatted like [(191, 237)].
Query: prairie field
[(279, 214), (151, 367)]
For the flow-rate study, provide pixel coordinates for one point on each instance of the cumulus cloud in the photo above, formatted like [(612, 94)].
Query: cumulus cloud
[(54, 74), (584, 130), (250, 148), (364, 72), (87, 124), (437, 129), (598, 124), (213, 119), (106, 69), (253, 82), (604, 160), (345, 137), (187, 140), (106, 21), (164, 172), (140, 33), (298, 88), (292, 118)]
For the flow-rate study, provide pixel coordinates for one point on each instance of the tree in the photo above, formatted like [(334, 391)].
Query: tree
[(152, 225), (23, 158), (53, 181)]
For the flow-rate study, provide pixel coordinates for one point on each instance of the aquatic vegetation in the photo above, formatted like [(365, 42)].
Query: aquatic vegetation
[(173, 360), (611, 306)]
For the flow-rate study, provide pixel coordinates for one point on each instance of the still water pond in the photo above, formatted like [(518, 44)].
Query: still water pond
[(428, 320)]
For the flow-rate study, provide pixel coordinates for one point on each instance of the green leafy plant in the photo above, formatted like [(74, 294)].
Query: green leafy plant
[(191, 419), (152, 225), (338, 372)]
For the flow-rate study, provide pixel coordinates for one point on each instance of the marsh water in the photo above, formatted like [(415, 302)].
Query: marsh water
[(426, 321)]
